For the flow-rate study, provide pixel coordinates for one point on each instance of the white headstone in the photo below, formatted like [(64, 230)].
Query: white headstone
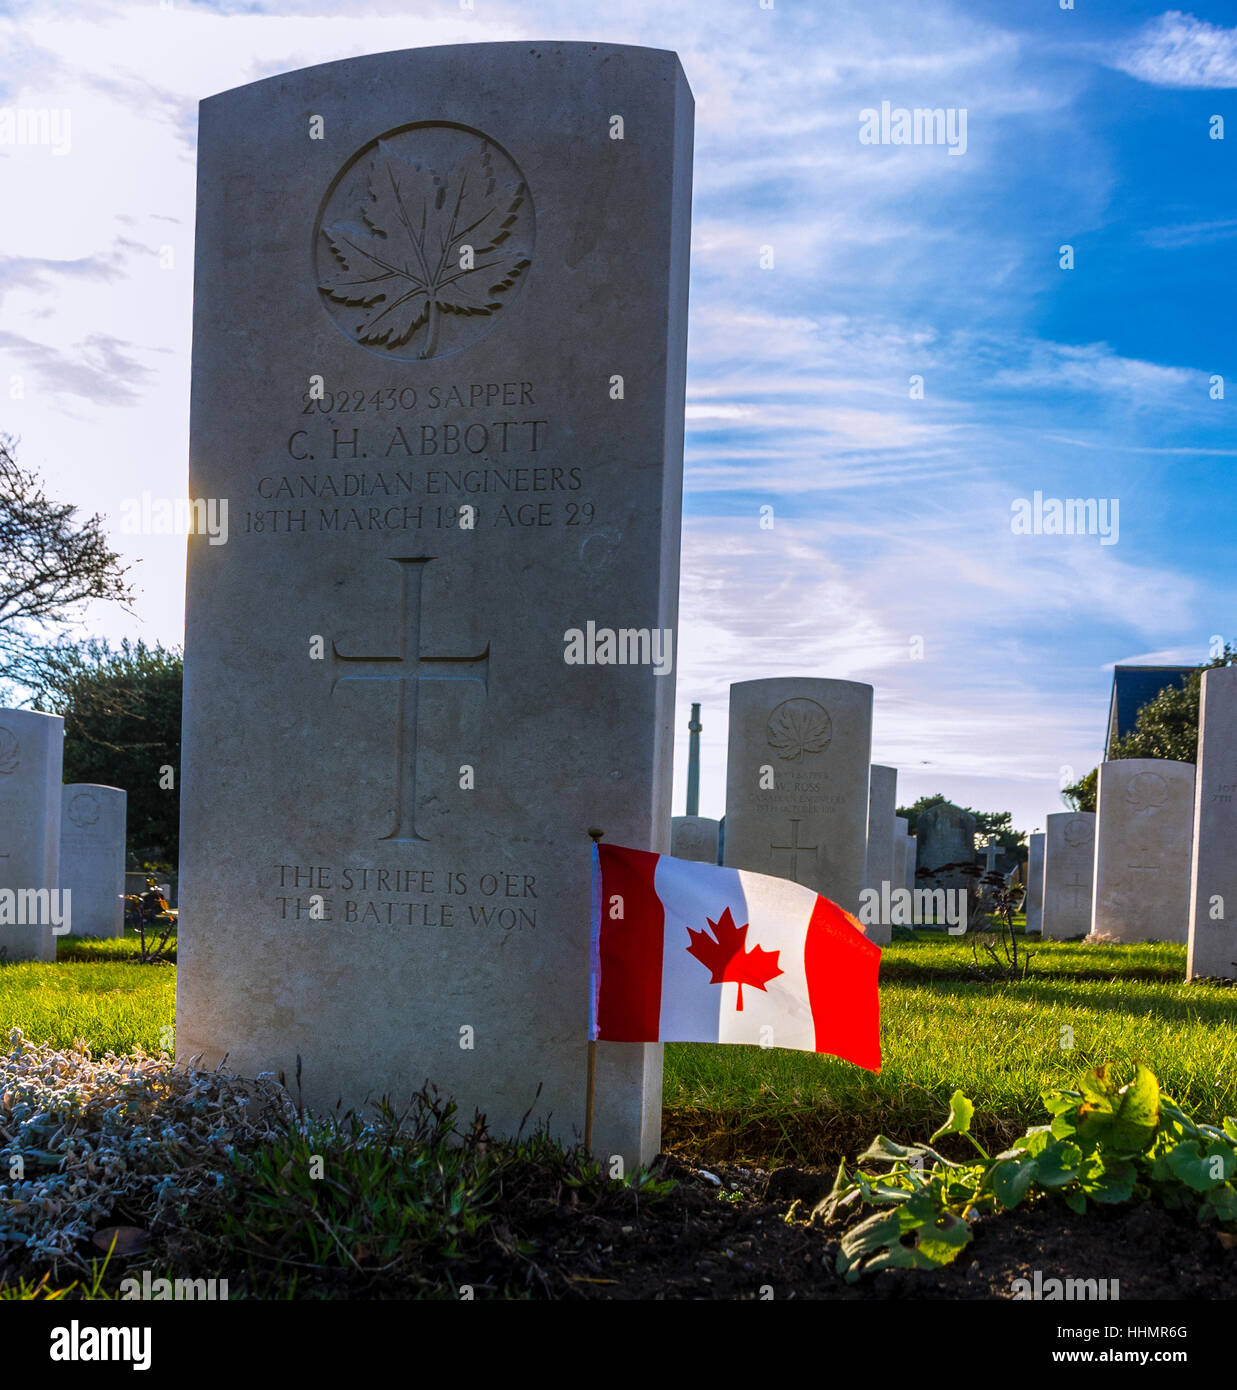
[(901, 851), (439, 355), (1035, 884), (882, 803), (912, 853), (1068, 874), (92, 856), (1213, 876), (881, 863), (797, 782), (31, 757), (1144, 829), (694, 837), (881, 868)]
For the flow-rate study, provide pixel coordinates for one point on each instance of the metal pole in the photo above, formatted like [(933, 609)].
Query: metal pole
[(693, 763), (590, 1082)]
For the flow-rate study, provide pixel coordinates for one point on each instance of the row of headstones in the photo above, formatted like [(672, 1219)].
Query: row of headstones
[(1145, 875), (1122, 872), (1155, 862), (54, 839)]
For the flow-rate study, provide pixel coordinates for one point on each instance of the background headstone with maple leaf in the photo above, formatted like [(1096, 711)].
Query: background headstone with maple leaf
[(797, 782)]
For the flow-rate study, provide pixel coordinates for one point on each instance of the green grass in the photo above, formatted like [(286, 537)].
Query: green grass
[(1000, 1043), (95, 991), (111, 948), (941, 1029)]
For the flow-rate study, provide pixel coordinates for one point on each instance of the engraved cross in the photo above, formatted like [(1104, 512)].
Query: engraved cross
[(408, 668), (794, 849), (1075, 886)]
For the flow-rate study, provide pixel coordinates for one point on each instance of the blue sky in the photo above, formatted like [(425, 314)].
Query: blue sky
[(891, 536)]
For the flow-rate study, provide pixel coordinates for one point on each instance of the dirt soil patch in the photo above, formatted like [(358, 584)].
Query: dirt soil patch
[(728, 1238)]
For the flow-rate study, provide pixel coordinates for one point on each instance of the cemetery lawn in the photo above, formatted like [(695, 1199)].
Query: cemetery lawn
[(96, 991), (942, 1029)]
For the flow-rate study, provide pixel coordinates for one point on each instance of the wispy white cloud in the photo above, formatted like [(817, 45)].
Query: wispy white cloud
[(975, 715), (1178, 50), (1167, 656), (1095, 367), (1190, 234), (1113, 446), (101, 369)]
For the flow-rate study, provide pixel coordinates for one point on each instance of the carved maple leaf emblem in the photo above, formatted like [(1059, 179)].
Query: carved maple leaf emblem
[(797, 727), (728, 959), (431, 244)]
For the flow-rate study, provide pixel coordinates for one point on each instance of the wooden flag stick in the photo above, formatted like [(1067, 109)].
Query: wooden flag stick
[(588, 1096), (591, 1085)]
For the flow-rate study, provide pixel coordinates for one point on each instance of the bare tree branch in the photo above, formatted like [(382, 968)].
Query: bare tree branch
[(51, 563)]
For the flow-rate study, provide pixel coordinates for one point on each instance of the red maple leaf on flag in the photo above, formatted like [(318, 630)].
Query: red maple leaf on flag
[(727, 956)]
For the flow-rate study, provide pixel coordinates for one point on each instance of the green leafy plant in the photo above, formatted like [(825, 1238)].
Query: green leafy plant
[(1106, 1144)]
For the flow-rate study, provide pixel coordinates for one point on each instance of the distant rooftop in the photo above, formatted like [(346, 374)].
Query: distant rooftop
[(1136, 686)]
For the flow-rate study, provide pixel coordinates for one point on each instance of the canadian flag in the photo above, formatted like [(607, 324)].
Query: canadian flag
[(691, 952)]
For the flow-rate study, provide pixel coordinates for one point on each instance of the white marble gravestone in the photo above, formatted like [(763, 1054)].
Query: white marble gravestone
[(797, 782), (1143, 834), (31, 758), (882, 862), (1213, 874), (882, 831), (903, 848), (694, 837), (1035, 885), (897, 880), (438, 369), (92, 856), (1068, 874)]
